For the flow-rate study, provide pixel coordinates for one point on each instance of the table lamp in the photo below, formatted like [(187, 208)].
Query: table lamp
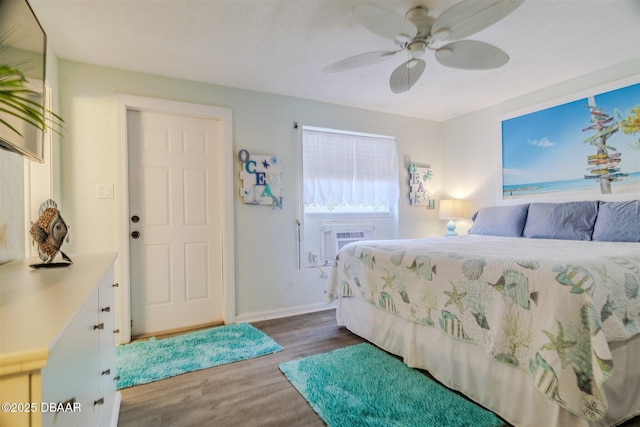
[(452, 209)]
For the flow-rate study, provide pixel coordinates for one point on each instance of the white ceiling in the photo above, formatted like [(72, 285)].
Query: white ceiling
[(280, 46)]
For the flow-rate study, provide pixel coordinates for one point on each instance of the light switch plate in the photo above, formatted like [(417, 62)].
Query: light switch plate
[(104, 191)]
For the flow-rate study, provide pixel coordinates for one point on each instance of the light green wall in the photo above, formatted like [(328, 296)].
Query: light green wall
[(267, 278), (463, 152)]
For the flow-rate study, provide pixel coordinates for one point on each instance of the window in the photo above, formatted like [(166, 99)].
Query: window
[(346, 172)]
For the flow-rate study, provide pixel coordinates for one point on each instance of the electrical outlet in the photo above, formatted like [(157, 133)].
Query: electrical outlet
[(104, 191)]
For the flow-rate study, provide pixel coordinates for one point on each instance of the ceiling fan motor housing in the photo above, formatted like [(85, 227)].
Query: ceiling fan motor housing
[(419, 16)]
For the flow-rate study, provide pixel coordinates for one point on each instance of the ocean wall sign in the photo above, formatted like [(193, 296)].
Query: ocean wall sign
[(261, 179)]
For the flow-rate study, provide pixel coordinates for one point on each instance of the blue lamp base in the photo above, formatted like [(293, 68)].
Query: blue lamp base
[(451, 229)]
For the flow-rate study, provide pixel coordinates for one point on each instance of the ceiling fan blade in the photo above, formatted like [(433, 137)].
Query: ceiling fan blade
[(359, 61), (470, 16), (384, 23), (471, 55), (406, 75)]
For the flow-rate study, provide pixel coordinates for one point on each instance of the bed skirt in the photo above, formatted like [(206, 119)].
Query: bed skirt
[(501, 388)]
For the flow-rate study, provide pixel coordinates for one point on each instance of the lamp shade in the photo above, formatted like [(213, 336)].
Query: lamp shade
[(453, 209)]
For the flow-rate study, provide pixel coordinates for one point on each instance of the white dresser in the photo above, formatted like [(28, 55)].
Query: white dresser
[(57, 344)]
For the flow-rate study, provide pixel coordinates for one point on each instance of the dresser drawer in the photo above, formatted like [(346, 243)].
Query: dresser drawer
[(72, 374)]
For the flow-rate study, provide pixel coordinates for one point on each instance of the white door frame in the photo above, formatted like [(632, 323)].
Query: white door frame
[(225, 116)]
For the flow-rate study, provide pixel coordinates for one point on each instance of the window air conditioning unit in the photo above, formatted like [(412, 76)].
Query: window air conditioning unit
[(335, 236)]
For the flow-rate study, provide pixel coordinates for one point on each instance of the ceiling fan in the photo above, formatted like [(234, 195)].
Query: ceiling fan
[(418, 32)]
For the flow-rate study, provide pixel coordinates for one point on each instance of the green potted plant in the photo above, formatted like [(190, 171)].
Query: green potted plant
[(14, 92), (14, 99)]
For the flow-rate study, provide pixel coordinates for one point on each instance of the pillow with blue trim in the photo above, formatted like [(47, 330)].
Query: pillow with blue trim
[(618, 222), (504, 221), (565, 221)]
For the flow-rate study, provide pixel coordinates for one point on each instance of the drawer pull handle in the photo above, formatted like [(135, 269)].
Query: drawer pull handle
[(116, 378), (67, 403), (117, 331), (106, 309), (98, 326), (106, 372), (99, 401), (115, 285)]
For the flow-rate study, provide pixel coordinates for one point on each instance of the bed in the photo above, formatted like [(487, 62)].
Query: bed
[(535, 314)]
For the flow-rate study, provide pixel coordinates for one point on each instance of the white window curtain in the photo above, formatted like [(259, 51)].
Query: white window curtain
[(341, 169)]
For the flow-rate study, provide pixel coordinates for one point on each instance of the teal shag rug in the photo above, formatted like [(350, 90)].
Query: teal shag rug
[(147, 361), (362, 385)]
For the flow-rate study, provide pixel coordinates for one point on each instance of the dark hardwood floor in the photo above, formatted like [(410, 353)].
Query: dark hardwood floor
[(249, 393)]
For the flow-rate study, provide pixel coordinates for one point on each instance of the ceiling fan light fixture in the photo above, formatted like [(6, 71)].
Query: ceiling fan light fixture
[(417, 49)]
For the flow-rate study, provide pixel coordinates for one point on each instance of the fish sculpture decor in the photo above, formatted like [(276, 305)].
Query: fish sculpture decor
[(49, 232)]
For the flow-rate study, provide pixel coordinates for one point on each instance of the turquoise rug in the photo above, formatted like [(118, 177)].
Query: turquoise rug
[(147, 361), (362, 385)]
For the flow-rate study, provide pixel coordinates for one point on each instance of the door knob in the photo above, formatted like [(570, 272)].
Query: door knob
[(135, 234), (135, 219)]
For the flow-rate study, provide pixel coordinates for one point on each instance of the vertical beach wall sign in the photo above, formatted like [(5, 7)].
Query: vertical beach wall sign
[(419, 192), (261, 179)]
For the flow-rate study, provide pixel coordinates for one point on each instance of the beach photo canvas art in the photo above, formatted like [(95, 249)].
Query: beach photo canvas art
[(588, 147)]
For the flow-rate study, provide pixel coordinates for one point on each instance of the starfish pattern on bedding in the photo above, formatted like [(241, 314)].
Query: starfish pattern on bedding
[(455, 297), (388, 279), (558, 343)]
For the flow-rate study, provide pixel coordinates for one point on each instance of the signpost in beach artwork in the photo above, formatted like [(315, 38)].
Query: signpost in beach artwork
[(590, 146), (603, 165)]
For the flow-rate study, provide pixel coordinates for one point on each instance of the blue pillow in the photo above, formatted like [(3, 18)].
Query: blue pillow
[(567, 221), (505, 221), (618, 222)]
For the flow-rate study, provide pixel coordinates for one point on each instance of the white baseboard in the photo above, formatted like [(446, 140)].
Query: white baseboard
[(286, 312)]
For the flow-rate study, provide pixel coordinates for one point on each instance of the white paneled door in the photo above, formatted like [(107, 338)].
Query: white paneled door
[(175, 221)]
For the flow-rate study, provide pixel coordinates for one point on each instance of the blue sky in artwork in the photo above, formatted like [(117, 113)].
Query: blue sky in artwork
[(548, 145)]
